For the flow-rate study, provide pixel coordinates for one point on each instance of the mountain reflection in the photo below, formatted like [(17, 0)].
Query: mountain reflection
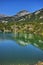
[(24, 39)]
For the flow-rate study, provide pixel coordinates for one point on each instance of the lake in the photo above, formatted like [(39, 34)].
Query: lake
[(20, 49)]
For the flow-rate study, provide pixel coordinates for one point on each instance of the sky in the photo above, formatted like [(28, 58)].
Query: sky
[(11, 7)]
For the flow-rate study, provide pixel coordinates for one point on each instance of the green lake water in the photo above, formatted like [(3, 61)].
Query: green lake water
[(20, 49)]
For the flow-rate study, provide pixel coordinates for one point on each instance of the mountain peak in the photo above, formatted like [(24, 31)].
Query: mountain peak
[(22, 13), (2, 15)]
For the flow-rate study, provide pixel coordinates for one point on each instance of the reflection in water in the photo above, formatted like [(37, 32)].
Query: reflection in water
[(20, 49), (25, 39)]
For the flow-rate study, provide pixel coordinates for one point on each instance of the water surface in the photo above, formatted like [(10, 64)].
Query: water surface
[(18, 49)]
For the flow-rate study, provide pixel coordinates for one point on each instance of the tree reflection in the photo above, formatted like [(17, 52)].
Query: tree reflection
[(25, 39)]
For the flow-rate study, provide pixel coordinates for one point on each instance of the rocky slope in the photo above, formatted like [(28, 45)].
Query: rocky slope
[(24, 16)]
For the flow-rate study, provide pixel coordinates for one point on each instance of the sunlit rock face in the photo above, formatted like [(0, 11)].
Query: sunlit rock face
[(22, 13), (37, 12), (41, 17)]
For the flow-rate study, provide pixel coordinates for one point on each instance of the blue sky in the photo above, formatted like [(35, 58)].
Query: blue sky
[(11, 7)]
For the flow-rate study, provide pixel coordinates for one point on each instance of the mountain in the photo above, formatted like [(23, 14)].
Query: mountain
[(22, 13), (39, 13), (23, 21), (24, 16), (2, 15)]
